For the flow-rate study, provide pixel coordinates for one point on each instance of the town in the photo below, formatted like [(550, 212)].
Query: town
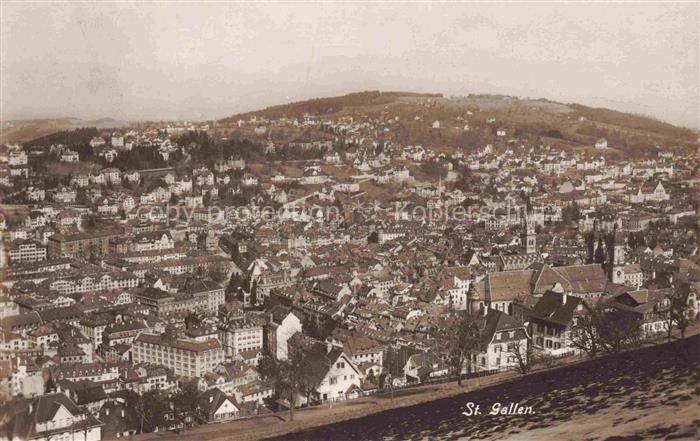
[(160, 276)]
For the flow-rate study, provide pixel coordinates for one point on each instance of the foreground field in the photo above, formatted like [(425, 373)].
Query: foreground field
[(646, 394), (651, 393)]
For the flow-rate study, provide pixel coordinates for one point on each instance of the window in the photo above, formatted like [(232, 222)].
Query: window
[(333, 380)]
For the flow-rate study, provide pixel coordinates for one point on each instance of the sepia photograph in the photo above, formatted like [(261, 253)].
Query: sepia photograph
[(349, 220)]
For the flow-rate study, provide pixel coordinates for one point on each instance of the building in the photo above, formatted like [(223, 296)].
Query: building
[(335, 375), (54, 417), (186, 357), (81, 245), (240, 334), (215, 406), (551, 320), (27, 251), (500, 337), (283, 324)]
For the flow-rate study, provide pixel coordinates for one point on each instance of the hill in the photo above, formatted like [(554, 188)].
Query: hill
[(23, 130), (329, 106), (472, 121)]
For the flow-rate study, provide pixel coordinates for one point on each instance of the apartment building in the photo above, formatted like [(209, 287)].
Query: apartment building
[(186, 357), (81, 245), (240, 335), (27, 251)]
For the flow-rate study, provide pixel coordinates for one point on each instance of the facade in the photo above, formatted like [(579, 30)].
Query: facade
[(282, 326), (27, 251), (500, 336), (186, 357), (240, 335), (57, 417), (80, 245), (551, 320)]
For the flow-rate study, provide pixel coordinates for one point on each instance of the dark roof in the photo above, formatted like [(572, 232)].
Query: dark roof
[(62, 313), (551, 308), (40, 410), (217, 397), (188, 345), (496, 321)]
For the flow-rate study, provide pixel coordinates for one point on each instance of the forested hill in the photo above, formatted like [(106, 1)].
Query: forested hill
[(326, 106)]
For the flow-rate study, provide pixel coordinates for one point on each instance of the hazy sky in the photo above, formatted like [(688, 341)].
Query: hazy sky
[(201, 61)]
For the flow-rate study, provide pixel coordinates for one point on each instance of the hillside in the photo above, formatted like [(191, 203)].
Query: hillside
[(471, 121), (20, 131), (328, 106)]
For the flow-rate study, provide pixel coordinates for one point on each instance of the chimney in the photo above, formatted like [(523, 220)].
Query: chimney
[(485, 310), (107, 410), (563, 298), (211, 398), (122, 412)]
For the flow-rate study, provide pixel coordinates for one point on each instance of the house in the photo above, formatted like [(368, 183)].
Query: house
[(282, 325), (649, 192), (70, 156), (551, 320), (651, 307), (336, 377), (119, 420), (601, 144), (214, 406), (500, 337), (360, 349), (53, 417), (97, 142), (423, 366)]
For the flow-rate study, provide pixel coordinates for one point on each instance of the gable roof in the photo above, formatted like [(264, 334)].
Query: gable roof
[(211, 400), (496, 321), (584, 278), (507, 285), (551, 308)]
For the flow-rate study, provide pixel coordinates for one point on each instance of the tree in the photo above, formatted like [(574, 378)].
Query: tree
[(618, 330), (461, 337), (678, 309), (149, 407), (290, 376), (185, 401), (583, 333), (600, 252), (523, 355)]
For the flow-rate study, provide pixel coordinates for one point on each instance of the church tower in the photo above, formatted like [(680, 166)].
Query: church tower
[(617, 258), (529, 237)]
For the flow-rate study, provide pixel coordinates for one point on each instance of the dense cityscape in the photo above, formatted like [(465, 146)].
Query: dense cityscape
[(163, 276)]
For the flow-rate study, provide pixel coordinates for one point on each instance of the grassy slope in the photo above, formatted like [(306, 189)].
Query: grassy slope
[(26, 130), (642, 394)]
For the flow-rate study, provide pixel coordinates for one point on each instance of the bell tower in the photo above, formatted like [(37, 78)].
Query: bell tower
[(617, 258), (529, 237)]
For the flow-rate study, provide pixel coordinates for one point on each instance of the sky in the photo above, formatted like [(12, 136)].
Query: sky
[(200, 61)]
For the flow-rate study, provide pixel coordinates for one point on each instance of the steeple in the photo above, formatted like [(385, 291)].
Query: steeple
[(616, 257), (529, 237)]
